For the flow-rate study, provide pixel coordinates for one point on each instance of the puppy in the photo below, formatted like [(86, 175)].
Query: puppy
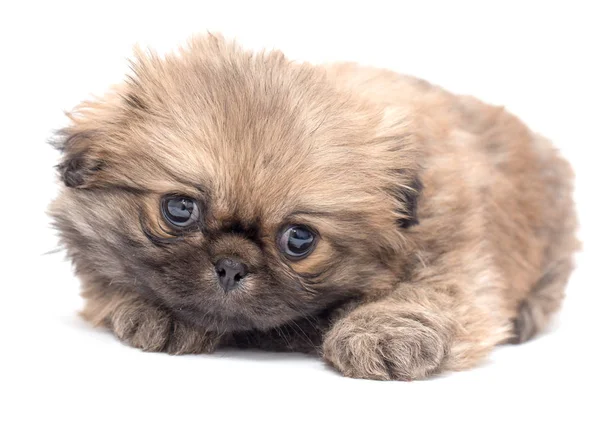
[(219, 197)]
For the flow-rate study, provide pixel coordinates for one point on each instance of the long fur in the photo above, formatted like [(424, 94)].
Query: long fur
[(445, 225)]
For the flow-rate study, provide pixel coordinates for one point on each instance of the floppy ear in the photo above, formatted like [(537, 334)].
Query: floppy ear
[(408, 197), (80, 164), (399, 136)]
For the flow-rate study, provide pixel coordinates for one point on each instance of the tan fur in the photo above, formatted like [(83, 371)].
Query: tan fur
[(265, 142)]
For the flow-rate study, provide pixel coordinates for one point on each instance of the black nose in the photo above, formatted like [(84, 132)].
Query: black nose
[(230, 272)]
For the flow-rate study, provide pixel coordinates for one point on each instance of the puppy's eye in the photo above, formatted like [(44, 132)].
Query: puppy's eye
[(297, 242), (180, 211)]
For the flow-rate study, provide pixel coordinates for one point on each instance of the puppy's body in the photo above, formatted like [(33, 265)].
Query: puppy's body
[(443, 225)]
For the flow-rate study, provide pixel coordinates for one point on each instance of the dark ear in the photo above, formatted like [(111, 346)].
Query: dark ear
[(79, 164), (408, 196)]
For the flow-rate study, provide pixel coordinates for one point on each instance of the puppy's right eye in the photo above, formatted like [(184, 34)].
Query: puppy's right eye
[(180, 211)]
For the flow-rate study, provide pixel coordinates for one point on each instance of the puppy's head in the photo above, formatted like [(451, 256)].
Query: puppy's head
[(239, 190)]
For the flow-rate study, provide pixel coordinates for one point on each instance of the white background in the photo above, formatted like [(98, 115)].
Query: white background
[(540, 60)]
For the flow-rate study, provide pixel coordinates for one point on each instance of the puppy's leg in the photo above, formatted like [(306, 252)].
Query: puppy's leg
[(542, 302), (142, 324), (418, 330)]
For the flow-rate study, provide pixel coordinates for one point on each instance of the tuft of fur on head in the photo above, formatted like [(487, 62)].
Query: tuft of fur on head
[(260, 142)]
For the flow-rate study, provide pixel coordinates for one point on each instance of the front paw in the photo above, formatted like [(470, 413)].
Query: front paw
[(152, 329), (371, 344)]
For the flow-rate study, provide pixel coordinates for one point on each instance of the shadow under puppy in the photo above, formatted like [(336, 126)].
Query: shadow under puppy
[(219, 197)]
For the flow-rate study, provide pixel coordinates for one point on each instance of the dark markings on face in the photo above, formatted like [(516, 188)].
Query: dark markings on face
[(249, 230)]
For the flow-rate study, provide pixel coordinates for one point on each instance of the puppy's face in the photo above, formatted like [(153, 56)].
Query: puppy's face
[(241, 191)]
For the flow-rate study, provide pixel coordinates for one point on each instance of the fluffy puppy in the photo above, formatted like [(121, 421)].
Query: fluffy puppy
[(219, 197)]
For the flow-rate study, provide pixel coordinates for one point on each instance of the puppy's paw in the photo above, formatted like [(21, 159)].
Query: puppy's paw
[(186, 339), (153, 329), (386, 346)]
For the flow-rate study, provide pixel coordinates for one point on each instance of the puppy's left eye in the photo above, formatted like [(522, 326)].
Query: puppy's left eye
[(297, 242), (180, 211)]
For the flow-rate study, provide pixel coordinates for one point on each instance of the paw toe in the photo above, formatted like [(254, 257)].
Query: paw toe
[(385, 349)]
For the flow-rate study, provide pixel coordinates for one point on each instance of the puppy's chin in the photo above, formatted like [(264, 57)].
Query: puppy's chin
[(220, 322), (209, 308), (225, 318)]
